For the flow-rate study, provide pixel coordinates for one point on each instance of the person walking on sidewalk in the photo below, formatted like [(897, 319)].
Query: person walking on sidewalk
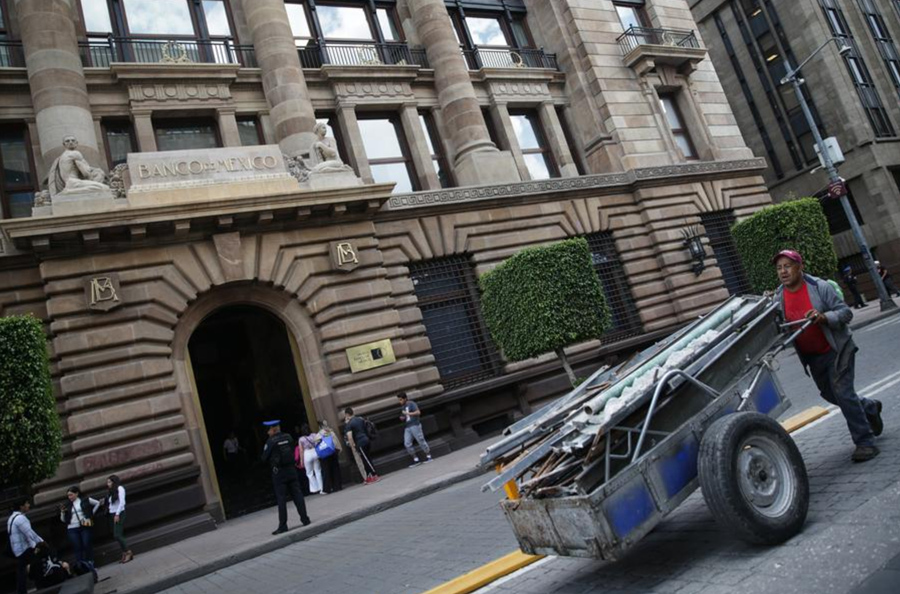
[(850, 280), (826, 348), (358, 438), (411, 415), (22, 541), (115, 502), (278, 453), (889, 285)]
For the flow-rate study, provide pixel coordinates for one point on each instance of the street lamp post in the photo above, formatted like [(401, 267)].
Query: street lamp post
[(836, 181)]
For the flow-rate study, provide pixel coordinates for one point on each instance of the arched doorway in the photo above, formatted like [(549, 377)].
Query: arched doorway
[(246, 370)]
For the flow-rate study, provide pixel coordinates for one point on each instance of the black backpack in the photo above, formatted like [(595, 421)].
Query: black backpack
[(283, 450), (371, 429)]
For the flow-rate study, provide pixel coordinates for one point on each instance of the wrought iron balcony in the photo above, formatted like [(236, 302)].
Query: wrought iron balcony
[(102, 51), (315, 55), (11, 54), (644, 48), (480, 57)]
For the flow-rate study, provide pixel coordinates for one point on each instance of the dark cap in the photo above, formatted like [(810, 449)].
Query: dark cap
[(790, 255)]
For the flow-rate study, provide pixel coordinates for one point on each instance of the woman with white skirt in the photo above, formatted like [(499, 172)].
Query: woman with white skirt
[(311, 460)]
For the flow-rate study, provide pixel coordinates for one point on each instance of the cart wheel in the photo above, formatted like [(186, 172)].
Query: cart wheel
[(753, 478)]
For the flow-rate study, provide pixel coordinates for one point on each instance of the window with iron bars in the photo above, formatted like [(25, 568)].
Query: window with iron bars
[(451, 311), (834, 212), (718, 230), (625, 319)]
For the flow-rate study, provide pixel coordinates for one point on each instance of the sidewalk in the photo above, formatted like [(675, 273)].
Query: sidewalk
[(870, 314), (250, 536)]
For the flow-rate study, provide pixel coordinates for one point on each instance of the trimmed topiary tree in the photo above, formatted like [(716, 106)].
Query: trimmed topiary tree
[(543, 299), (797, 225), (30, 434)]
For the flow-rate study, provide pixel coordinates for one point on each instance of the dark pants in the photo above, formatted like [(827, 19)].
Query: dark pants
[(331, 473), (82, 542), (118, 530), (890, 287), (285, 481), (836, 386), (22, 562), (857, 297)]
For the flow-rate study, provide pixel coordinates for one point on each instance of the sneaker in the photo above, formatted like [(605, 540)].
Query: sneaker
[(375, 478), (427, 459), (306, 521), (279, 531), (864, 453), (875, 421), (368, 480), (415, 462)]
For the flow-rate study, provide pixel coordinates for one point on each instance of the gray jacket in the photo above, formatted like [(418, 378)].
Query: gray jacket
[(838, 315)]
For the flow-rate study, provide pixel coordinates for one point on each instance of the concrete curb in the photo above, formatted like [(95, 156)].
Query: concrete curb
[(881, 316), (295, 535)]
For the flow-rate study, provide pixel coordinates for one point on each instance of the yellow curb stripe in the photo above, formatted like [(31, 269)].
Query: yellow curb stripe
[(804, 418), (484, 575)]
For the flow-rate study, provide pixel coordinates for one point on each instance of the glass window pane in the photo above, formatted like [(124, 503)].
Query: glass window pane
[(249, 132), (96, 16), (380, 139), (118, 140), (159, 17), (14, 155), (525, 132), (486, 31), (537, 166), (393, 172), (684, 144), (520, 33), (628, 16), (216, 18), (176, 137), (297, 17), (344, 22), (388, 30), (668, 107), (20, 204)]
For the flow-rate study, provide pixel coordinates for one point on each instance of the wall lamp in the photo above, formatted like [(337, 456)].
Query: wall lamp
[(693, 241)]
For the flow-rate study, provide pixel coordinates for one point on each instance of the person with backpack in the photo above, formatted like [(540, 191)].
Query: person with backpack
[(22, 542), (307, 445), (278, 453), (359, 435), (331, 468), (78, 516), (46, 569)]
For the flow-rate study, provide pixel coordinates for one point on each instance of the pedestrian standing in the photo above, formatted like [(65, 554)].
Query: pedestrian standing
[(78, 516), (851, 281), (411, 415), (889, 285), (278, 453), (307, 443), (22, 541), (331, 466), (116, 505), (826, 348), (358, 438)]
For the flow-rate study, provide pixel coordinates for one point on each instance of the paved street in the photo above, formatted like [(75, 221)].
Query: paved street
[(853, 527)]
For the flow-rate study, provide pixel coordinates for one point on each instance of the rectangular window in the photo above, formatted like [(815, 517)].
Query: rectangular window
[(447, 295), (834, 212), (677, 126), (158, 17), (96, 17), (216, 16), (299, 23), (178, 135), (625, 319), (119, 136), (387, 25), (250, 131), (631, 16), (534, 147), (434, 149), (387, 153), (18, 183), (487, 31), (344, 22), (883, 40), (718, 230)]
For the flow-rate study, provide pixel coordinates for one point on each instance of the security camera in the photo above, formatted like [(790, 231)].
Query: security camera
[(846, 49)]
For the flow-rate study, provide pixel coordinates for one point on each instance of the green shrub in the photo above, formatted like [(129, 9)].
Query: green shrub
[(30, 435), (797, 225), (543, 299)]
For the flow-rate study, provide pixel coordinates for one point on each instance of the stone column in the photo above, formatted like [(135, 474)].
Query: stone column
[(346, 117), (475, 158), (418, 148), (56, 78), (556, 138), (291, 113), (143, 131), (228, 127)]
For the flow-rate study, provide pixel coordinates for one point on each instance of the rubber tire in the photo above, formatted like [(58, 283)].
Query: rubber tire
[(717, 467)]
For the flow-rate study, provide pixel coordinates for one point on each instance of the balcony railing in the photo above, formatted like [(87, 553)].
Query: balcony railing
[(361, 54), (11, 54), (634, 37), (101, 51), (480, 57)]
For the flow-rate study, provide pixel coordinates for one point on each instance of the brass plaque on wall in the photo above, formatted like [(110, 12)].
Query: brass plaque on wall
[(371, 355)]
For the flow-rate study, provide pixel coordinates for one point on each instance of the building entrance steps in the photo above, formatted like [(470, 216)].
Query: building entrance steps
[(250, 536)]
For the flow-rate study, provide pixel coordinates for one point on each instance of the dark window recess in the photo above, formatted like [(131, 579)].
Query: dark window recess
[(183, 134), (18, 182), (448, 298), (718, 230), (834, 212), (120, 141), (625, 319), (250, 131)]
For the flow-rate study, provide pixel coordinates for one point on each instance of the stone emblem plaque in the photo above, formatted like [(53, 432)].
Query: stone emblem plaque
[(102, 292), (344, 256)]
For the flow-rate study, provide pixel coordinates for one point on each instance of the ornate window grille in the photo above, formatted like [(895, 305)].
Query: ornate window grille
[(625, 319), (718, 230)]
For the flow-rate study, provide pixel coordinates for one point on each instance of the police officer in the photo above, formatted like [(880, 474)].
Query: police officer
[(278, 453)]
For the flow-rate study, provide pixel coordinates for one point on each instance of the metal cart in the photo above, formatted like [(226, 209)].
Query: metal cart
[(596, 470)]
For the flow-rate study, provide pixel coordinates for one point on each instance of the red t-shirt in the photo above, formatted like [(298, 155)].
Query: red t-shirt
[(812, 341)]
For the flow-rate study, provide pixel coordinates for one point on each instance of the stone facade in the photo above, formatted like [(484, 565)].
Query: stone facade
[(122, 291)]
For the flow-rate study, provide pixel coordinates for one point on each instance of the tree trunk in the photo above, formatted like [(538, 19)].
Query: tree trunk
[(561, 353)]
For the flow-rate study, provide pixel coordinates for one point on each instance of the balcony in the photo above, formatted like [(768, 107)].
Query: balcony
[(100, 52), (644, 49), (480, 57), (11, 54), (361, 54)]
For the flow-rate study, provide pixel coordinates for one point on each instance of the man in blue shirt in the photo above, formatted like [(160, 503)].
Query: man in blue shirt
[(22, 540)]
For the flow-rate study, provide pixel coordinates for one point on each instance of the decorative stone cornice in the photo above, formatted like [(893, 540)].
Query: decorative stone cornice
[(625, 181)]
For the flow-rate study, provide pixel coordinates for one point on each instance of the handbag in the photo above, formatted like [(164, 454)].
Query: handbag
[(325, 447), (85, 522)]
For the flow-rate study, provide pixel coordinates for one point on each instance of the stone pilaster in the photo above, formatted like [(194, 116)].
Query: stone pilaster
[(291, 113), (418, 146), (143, 131), (56, 77), (346, 116), (475, 158), (228, 127), (506, 136), (556, 138)]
